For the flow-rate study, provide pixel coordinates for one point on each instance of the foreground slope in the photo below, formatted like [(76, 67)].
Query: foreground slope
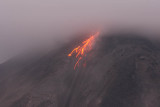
[(120, 71)]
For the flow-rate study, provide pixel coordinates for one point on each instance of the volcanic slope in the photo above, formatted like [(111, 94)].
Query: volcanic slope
[(122, 70)]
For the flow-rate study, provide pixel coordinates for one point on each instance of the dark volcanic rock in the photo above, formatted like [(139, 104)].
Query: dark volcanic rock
[(121, 71)]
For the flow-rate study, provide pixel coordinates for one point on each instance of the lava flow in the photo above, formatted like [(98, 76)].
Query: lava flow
[(81, 50)]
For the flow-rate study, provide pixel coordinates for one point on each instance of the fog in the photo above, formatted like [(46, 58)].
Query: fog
[(43, 24)]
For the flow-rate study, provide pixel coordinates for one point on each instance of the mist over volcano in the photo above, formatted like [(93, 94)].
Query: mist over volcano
[(122, 70)]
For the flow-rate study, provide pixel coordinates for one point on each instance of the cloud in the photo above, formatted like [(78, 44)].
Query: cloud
[(38, 23)]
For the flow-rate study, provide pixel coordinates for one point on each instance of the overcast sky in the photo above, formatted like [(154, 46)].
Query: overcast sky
[(26, 24)]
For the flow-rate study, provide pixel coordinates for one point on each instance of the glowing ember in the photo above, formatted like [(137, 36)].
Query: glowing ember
[(81, 50)]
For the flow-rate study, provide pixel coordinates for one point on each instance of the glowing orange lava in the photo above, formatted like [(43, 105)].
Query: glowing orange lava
[(81, 50)]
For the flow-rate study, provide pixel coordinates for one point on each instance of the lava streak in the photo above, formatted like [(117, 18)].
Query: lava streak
[(81, 50)]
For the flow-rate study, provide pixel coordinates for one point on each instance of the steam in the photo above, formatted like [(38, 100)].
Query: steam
[(42, 24)]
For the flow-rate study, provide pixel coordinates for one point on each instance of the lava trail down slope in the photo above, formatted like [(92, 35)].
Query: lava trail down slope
[(121, 70)]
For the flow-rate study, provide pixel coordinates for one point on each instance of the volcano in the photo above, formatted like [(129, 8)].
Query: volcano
[(121, 70)]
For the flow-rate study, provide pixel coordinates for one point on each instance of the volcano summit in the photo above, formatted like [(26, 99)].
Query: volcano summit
[(121, 70)]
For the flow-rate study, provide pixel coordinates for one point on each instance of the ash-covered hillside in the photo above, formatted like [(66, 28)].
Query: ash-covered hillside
[(122, 70)]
